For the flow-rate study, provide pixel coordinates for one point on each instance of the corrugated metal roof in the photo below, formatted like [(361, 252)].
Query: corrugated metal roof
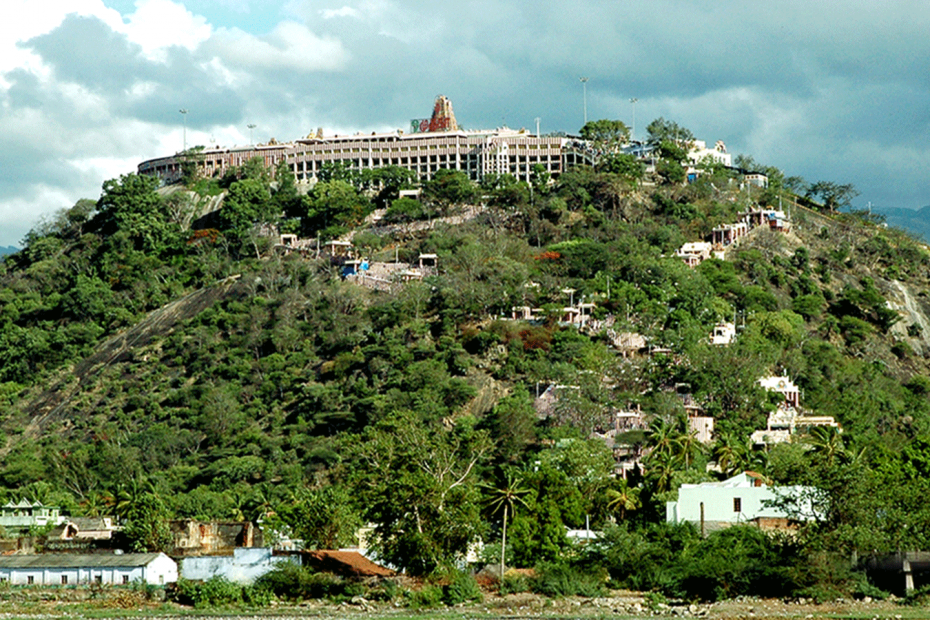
[(48, 560)]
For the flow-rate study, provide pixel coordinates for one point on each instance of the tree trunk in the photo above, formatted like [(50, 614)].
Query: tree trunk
[(503, 548)]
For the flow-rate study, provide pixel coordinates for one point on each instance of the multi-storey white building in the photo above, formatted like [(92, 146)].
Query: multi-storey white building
[(443, 145)]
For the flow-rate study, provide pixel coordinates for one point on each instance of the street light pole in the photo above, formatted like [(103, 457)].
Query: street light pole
[(633, 101), (584, 89), (183, 112), (251, 126)]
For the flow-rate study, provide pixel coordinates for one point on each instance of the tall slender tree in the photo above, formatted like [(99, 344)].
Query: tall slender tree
[(506, 497)]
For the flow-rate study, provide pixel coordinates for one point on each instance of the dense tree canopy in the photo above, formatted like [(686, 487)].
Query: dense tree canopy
[(195, 370)]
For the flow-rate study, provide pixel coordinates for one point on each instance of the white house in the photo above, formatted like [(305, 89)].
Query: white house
[(757, 179), (695, 252), (784, 386), (785, 422), (744, 498), (702, 427), (61, 569), (723, 334), (718, 155), (26, 514)]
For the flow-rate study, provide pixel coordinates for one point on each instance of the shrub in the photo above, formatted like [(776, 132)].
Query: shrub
[(215, 592), (292, 582), (286, 581), (902, 350), (255, 596), (515, 583), (854, 330), (645, 559), (655, 600), (426, 597), (918, 597), (387, 591), (462, 588), (559, 580), (864, 588), (740, 560)]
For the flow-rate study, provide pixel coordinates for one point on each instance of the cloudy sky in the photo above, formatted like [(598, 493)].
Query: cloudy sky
[(828, 90)]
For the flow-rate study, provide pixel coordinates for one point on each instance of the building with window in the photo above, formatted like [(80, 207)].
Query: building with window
[(73, 569), (742, 499), (436, 144), (22, 515)]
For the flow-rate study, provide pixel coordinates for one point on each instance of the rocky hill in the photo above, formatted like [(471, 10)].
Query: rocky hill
[(205, 353)]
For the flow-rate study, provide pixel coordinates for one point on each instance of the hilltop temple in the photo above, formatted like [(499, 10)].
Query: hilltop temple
[(432, 144)]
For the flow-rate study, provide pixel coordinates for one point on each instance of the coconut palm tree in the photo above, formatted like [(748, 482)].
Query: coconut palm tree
[(506, 497), (687, 447), (661, 437), (827, 444), (730, 454), (623, 498), (661, 468), (97, 503)]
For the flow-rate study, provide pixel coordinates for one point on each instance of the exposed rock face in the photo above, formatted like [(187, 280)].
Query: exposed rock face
[(49, 404), (914, 312)]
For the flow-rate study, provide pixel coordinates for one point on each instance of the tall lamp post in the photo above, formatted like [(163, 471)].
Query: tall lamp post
[(183, 112), (251, 126), (584, 90), (633, 101)]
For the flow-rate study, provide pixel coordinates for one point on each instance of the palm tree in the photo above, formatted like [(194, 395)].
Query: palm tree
[(688, 446), (259, 504), (757, 460), (97, 503), (128, 496), (827, 444), (238, 505), (623, 498), (506, 496), (661, 437), (662, 468), (730, 454)]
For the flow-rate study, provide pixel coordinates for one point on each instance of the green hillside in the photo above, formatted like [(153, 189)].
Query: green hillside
[(162, 357)]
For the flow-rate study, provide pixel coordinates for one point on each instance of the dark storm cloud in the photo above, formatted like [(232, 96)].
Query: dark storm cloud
[(832, 90), (85, 51)]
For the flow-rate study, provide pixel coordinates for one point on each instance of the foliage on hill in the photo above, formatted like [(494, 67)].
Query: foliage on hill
[(315, 404)]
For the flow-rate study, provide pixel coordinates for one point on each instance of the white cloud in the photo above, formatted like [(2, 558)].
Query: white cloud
[(345, 11), (25, 19), (290, 46), (21, 213), (159, 24)]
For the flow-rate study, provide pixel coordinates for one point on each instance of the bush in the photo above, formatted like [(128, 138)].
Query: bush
[(864, 589), (255, 596), (741, 560), (386, 591), (559, 580), (655, 600), (918, 597), (217, 592), (294, 583), (426, 597), (902, 350), (286, 581), (515, 583), (645, 559), (462, 588)]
